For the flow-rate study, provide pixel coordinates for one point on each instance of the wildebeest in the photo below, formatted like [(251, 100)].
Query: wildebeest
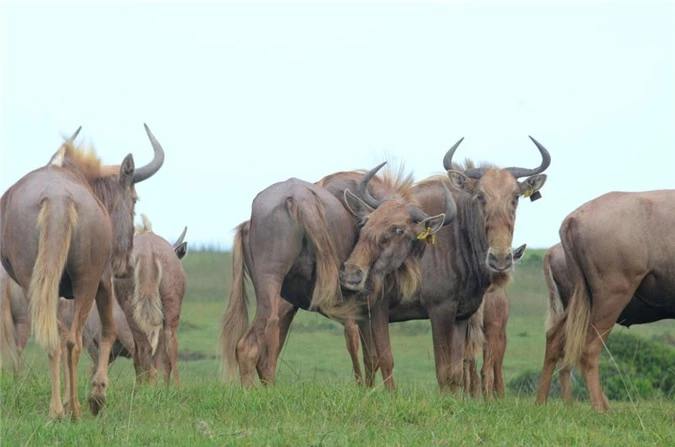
[(617, 271), (470, 254), (298, 236), (16, 327), (152, 298), (15, 321), (66, 229), (489, 324)]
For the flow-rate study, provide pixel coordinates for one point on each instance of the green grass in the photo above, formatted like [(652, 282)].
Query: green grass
[(315, 401)]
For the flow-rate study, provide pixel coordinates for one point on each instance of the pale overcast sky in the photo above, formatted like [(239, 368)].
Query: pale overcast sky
[(242, 95)]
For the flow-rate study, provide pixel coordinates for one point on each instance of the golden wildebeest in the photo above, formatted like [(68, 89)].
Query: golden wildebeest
[(152, 298), (487, 335), (66, 229), (470, 254), (637, 273), (298, 236), (16, 327)]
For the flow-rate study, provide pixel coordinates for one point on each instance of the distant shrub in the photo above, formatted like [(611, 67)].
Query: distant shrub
[(532, 258), (644, 369)]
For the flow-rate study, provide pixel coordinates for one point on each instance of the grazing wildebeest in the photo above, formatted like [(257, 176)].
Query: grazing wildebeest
[(489, 323), (471, 253), (153, 297), (292, 247), (66, 229), (626, 281)]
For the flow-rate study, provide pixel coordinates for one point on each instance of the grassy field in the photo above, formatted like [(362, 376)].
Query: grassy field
[(315, 401)]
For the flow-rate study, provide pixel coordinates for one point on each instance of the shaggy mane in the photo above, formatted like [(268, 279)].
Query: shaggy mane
[(84, 160)]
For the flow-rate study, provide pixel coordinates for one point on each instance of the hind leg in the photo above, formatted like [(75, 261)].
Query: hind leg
[(171, 356), (99, 382), (553, 354), (55, 404), (565, 386), (287, 312)]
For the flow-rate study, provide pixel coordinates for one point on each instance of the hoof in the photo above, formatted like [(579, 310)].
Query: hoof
[(96, 403)]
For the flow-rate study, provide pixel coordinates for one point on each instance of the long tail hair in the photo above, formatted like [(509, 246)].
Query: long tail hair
[(146, 303), (475, 337), (55, 236), (579, 309), (235, 319)]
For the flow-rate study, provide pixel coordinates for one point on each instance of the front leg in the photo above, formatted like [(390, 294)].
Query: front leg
[(442, 318), (377, 344)]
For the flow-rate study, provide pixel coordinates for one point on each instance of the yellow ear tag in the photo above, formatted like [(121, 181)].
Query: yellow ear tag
[(427, 236), (529, 192)]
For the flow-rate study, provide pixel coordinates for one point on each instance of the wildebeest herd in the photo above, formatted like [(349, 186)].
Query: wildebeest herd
[(362, 248)]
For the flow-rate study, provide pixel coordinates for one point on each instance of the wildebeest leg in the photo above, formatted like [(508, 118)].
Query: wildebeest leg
[(55, 404), (442, 318), (376, 344), (104, 304), (565, 386), (499, 363), (554, 352), (369, 351), (351, 332), (171, 363), (84, 299)]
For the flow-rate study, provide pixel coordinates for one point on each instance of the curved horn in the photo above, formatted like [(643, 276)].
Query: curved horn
[(180, 239), (75, 134), (447, 160), (450, 206), (145, 172), (363, 187), (545, 161), (416, 213)]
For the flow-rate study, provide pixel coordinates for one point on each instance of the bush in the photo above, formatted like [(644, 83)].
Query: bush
[(643, 369)]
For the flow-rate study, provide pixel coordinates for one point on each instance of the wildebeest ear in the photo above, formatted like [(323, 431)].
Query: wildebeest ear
[(356, 206), (531, 185), (462, 182), (181, 250), (519, 252), (127, 170), (434, 223)]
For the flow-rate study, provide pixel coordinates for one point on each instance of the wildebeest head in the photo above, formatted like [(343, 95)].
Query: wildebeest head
[(115, 188), (392, 232), (495, 192)]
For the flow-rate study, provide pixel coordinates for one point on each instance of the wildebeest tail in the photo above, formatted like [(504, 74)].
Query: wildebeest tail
[(146, 303), (8, 350), (56, 223), (235, 319), (578, 316), (475, 337), (555, 307), (327, 295)]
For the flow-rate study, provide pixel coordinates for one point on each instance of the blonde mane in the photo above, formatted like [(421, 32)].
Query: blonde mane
[(83, 160)]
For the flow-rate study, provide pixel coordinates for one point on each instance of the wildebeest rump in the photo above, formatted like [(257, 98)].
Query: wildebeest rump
[(560, 289), (297, 237), (471, 253), (152, 299), (66, 229)]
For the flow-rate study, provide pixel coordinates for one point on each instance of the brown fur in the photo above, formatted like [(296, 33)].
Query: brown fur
[(10, 342), (152, 300)]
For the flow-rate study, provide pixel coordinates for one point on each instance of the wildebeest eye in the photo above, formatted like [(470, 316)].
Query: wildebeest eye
[(399, 231), (480, 198), (514, 202)]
